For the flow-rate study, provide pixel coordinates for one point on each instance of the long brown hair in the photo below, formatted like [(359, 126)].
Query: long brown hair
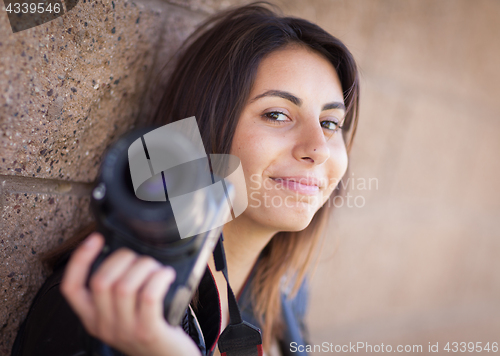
[(212, 79)]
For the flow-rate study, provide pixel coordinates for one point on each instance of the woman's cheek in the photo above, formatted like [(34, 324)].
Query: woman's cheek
[(338, 165)]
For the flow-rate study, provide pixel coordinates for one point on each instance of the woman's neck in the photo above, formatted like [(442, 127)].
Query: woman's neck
[(243, 243)]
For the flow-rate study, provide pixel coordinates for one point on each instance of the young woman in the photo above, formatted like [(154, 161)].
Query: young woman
[(282, 95)]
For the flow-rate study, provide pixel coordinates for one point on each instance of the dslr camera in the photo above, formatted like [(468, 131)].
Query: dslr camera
[(159, 194)]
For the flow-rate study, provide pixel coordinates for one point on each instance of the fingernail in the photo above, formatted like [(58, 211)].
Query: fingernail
[(170, 271), (91, 241)]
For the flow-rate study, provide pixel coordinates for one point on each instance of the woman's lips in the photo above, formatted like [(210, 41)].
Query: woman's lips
[(294, 185)]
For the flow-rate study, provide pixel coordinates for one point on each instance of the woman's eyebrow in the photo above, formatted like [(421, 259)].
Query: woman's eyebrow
[(334, 105), (282, 94), (292, 98)]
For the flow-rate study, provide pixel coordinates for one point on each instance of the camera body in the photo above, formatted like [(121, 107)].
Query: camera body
[(174, 213)]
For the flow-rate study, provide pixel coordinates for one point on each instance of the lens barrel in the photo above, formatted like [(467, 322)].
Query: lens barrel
[(183, 201)]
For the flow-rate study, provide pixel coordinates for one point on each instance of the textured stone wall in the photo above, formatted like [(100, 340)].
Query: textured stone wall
[(68, 89)]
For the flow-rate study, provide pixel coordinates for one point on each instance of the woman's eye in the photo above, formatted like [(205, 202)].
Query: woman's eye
[(330, 125), (276, 117)]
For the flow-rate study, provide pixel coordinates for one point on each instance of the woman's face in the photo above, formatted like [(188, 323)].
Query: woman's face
[(290, 155)]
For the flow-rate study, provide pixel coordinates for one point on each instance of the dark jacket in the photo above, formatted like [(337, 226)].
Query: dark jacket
[(51, 327)]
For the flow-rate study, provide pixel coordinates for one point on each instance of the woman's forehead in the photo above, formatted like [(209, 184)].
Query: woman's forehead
[(301, 71)]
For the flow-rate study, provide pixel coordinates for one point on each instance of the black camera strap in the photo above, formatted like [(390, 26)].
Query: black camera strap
[(239, 338)]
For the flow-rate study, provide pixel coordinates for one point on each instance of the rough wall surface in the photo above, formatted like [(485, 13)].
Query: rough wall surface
[(68, 89)]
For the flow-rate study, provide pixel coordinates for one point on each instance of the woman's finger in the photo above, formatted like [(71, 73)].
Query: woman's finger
[(73, 284), (152, 295), (101, 286), (127, 287)]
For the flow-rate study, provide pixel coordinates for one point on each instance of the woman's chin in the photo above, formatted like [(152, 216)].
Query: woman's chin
[(294, 217), (292, 222)]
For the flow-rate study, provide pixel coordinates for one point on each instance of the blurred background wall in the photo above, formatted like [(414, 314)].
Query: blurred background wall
[(410, 258), (419, 261)]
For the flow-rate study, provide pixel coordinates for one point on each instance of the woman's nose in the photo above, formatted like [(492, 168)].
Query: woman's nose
[(311, 144)]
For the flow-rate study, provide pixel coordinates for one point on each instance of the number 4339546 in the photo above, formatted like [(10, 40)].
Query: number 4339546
[(471, 347), (33, 8)]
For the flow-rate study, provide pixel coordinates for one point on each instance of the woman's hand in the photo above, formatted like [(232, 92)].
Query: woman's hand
[(124, 305)]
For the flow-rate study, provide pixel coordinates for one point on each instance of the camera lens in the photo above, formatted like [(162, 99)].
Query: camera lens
[(151, 221)]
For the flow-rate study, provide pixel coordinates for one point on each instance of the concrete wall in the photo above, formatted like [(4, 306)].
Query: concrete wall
[(68, 89), (417, 263)]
